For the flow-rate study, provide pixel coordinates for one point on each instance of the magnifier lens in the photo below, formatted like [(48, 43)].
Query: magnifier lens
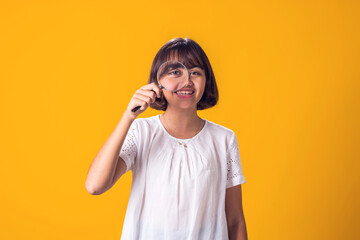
[(172, 75)]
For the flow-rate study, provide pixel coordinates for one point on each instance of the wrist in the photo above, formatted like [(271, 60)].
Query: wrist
[(128, 117)]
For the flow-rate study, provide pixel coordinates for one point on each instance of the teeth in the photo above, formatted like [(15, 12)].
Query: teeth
[(185, 92)]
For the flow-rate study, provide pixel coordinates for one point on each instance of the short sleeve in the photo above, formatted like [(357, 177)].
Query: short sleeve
[(234, 169), (129, 148)]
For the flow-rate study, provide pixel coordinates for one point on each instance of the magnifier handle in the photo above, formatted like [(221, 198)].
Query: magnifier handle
[(136, 108)]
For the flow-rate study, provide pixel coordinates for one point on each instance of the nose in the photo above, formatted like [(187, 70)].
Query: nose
[(189, 82)]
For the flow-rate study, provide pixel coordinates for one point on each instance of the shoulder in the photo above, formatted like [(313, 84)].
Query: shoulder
[(218, 137), (220, 130), (145, 121), (147, 124)]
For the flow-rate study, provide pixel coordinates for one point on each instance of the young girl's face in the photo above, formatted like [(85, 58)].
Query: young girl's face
[(196, 85)]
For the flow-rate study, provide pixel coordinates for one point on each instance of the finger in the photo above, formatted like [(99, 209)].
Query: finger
[(152, 86), (145, 98), (157, 89), (140, 102), (135, 102), (151, 94)]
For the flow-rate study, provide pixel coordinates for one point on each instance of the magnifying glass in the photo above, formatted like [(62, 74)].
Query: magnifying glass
[(171, 76)]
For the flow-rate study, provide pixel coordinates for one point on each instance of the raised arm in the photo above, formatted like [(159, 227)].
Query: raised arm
[(102, 168), (107, 166)]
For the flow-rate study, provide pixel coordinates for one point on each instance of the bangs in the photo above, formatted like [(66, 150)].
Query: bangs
[(184, 54)]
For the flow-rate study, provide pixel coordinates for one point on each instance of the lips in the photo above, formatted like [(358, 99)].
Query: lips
[(185, 92)]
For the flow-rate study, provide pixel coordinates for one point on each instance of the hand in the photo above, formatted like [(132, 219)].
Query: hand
[(142, 99)]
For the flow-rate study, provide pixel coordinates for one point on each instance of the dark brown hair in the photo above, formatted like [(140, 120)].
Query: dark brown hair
[(189, 53)]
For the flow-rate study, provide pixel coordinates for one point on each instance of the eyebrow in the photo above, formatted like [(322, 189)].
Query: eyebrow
[(195, 66)]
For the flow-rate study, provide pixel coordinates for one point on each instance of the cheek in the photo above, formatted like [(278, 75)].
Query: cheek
[(201, 86), (167, 95)]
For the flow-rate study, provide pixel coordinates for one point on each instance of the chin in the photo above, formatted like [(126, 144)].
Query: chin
[(187, 106)]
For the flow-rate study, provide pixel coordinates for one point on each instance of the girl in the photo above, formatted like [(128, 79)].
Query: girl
[(186, 171)]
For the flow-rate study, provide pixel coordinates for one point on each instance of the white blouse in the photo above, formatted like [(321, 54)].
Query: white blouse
[(179, 185)]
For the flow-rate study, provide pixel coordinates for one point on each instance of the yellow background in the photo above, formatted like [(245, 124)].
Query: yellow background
[(289, 79)]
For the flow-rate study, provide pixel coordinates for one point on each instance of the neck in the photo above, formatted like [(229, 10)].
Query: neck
[(182, 122)]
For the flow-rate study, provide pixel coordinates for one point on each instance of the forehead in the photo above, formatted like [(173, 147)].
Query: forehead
[(189, 59)]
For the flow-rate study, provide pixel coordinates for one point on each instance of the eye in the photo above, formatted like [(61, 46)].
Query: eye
[(196, 73), (174, 72)]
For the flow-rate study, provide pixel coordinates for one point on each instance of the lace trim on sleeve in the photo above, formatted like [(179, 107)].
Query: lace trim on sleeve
[(129, 149), (234, 169)]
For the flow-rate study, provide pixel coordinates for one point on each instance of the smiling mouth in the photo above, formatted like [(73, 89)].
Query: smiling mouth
[(184, 93)]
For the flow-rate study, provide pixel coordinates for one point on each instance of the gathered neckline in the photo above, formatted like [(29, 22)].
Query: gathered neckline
[(181, 139)]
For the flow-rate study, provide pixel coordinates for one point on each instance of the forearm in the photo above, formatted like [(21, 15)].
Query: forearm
[(238, 231), (102, 169)]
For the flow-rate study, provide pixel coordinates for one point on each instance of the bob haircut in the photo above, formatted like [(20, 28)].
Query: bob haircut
[(189, 53)]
